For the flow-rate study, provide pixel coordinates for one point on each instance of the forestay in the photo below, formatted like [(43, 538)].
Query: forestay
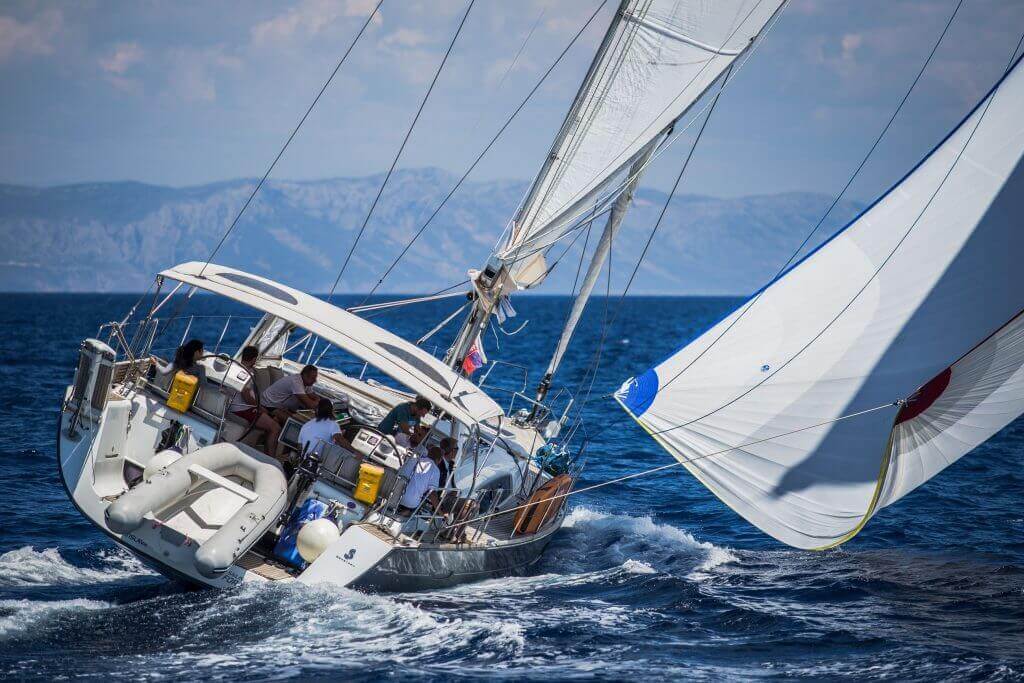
[(657, 58), (392, 355), (918, 298)]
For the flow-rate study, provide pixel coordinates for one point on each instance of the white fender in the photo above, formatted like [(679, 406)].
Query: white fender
[(264, 505)]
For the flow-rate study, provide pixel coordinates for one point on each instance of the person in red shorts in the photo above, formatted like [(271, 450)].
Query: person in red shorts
[(243, 404)]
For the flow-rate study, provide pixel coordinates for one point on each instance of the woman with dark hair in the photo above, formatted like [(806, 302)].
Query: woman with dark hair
[(321, 429), (186, 359)]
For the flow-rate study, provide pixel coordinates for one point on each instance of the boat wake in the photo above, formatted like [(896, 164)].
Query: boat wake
[(640, 542), (30, 567), (486, 628)]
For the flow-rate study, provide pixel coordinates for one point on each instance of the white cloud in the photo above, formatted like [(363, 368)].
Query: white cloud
[(121, 58), (562, 25), (850, 42), (30, 38), (404, 37), (309, 18), (193, 72)]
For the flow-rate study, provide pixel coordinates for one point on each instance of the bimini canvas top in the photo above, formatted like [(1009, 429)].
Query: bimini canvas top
[(392, 355)]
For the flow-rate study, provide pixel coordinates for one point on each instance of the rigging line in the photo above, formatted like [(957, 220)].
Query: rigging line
[(270, 168), (835, 201), (403, 302), (438, 292), (486, 149), (441, 324), (581, 117), (677, 463), (746, 54), (605, 326), (579, 120), (596, 363), (401, 148), (512, 64), (867, 283), (576, 279), (661, 217)]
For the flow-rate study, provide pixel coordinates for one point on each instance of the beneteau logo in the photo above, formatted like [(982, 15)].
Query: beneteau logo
[(350, 554)]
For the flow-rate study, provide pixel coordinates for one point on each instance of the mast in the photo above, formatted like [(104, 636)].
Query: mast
[(489, 285), (572, 119), (656, 60), (611, 229)]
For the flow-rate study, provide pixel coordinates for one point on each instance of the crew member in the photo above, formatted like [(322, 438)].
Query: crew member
[(322, 429), (186, 359), (243, 404), (292, 392), (450, 450), (405, 417), (424, 476)]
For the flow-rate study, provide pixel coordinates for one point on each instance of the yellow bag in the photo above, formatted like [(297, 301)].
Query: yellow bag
[(182, 392), (368, 484)]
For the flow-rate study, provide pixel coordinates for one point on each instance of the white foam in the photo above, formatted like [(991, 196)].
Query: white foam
[(638, 567), (634, 533), (30, 567), (323, 626), (27, 613)]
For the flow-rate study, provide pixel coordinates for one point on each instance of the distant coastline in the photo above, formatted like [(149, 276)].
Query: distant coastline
[(115, 237)]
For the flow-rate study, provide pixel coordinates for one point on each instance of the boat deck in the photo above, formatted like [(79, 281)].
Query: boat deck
[(261, 566)]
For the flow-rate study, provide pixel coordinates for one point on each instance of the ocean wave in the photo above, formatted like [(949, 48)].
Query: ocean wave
[(287, 629), (625, 538), (20, 615), (27, 566)]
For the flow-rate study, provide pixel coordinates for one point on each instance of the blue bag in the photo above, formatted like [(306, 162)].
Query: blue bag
[(285, 549)]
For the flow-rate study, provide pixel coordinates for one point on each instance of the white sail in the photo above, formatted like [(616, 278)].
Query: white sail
[(920, 297), (657, 59)]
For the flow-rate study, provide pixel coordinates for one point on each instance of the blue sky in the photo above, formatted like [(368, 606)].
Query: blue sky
[(191, 92)]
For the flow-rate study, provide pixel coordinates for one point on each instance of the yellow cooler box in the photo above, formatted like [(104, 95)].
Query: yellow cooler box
[(368, 485), (182, 391)]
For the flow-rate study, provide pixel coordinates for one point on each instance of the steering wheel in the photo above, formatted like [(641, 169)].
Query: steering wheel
[(383, 437)]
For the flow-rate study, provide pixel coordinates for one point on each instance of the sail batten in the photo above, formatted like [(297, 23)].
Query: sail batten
[(657, 60), (901, 304)]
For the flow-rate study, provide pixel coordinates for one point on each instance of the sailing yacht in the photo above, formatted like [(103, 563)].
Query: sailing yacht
[(851, 379), (158, 463)]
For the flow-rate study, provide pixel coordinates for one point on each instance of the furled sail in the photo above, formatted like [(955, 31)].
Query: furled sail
[(657, 58), (919, 298)]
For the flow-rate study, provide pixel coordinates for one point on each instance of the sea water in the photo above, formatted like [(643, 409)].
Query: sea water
[(650, 578)]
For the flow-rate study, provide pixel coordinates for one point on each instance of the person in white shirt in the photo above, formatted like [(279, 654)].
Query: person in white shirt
[(423, 475), (416, 443), (321, 429), (292, 392)]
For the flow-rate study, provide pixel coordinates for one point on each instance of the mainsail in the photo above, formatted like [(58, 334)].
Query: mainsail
[(919, 298), (657, 58)]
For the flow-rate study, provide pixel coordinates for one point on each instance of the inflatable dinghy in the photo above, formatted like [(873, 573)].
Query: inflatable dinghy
[(262, 500)]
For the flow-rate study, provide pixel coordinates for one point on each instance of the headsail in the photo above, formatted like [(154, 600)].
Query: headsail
[(657, 58), (920, 297)]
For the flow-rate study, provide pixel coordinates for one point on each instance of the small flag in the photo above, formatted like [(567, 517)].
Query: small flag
[(475, 359)]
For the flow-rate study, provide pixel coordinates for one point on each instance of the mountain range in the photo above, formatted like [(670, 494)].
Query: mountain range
[(116, 236)]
